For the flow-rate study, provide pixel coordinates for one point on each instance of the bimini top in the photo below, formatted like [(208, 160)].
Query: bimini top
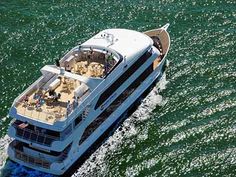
[(127, 43)]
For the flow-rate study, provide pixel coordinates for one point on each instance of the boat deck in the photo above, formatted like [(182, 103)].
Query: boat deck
[(50, 110), (94, 64), (92, 69)]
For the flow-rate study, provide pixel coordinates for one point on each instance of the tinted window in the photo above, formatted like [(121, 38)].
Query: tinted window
[(108, 92), (78, 120), (115, 104)]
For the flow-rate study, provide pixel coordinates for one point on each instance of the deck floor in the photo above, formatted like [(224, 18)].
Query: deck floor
[(93, 69), (51, 110)]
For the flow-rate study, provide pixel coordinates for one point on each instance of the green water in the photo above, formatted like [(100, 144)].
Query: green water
[(192, 134)]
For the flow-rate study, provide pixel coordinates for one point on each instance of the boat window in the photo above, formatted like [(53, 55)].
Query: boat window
[(78, 120), (115, 104), (113, 87)]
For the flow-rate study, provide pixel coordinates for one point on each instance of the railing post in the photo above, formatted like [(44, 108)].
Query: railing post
[(37, 137), (44, 137), (23, 133), (27, 158), (24, 111), (31, 112), (30, 135), (38, 115)]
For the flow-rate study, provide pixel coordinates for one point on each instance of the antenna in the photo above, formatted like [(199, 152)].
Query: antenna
[(110, 37)]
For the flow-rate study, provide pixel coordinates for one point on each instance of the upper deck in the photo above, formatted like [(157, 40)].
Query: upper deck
[(62, 88)]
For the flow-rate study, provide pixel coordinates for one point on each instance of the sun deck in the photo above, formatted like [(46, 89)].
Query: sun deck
[(74, 77), (88, 63), (50, 110)]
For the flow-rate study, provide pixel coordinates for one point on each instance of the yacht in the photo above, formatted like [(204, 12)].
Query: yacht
[(63, 113)]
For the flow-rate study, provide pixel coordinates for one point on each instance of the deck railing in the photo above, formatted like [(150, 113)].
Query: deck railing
[(34, 136), (39, 113), (48, 116), (31, 160), (52, 113), (31, 87)]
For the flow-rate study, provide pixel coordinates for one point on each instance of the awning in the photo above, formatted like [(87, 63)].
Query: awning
[(92, 83)]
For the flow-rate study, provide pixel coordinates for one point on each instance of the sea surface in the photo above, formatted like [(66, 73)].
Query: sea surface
[(188, 129)]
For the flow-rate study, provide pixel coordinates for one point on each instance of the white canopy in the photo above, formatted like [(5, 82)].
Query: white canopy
[(91, 82)]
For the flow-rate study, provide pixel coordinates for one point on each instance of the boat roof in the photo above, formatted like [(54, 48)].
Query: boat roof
[(125, 42)]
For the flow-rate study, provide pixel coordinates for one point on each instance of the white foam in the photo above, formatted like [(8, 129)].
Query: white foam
[(4, 142)]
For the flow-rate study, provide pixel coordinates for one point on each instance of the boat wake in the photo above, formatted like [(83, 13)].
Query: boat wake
[(95, 164), (3, 149)]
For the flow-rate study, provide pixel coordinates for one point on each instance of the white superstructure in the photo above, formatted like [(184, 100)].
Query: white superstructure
[(62, 114)]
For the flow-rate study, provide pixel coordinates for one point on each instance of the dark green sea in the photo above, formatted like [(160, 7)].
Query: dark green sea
[(188, 129)]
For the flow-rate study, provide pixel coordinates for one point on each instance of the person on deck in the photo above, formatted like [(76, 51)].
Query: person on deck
[(36, 96), (68, 108), (68, 68), (75, 102), (26, 100)]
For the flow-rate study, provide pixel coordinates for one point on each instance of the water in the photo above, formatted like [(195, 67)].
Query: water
[(187, 130)]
